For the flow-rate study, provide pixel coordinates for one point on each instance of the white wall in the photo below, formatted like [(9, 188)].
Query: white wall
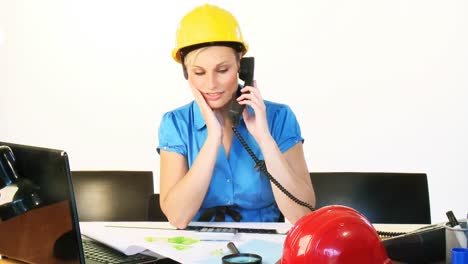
[(376, 85)]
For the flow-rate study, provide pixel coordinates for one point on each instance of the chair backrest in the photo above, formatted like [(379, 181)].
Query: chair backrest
[(155, 212), (112, 195), (382, 197)]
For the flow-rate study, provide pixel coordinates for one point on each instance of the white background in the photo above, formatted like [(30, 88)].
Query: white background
[(376, 85)]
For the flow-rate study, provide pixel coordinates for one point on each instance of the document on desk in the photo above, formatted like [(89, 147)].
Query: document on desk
[(185, 246)]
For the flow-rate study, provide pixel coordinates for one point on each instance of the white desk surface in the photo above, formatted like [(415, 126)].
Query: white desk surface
[(128, 237), (187, 246)]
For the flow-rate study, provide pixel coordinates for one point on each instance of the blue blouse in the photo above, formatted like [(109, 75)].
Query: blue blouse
[(235, 181)]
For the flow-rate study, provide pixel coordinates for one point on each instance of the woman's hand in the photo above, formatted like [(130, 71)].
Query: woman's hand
[(213, 118), (256, 123)]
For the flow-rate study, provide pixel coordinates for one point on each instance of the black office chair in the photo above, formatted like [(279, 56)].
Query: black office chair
[(383, 197), (112, 195), (155, 212)]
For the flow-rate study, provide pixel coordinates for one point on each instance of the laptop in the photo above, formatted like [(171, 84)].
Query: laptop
[(40, 224)]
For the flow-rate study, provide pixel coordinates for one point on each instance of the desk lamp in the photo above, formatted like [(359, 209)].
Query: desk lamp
[(25, 195)]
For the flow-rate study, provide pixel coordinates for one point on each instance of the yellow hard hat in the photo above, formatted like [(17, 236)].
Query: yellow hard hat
[(208, 25)]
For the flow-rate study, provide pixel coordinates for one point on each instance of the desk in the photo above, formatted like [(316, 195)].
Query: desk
[(7, 261), (88, 226)]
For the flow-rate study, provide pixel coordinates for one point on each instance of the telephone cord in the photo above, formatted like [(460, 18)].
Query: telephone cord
[(260, 164)]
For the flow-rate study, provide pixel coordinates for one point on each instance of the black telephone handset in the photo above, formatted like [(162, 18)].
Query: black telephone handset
[(246, 73)]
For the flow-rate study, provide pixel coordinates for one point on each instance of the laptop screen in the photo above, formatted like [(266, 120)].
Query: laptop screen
[(40, 223)]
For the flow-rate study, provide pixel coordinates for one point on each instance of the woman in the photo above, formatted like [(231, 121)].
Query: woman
[(205, 172)]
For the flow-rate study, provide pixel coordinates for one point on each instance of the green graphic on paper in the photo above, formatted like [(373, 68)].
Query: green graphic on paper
[(178, 242), (181, 243), (217, 252)]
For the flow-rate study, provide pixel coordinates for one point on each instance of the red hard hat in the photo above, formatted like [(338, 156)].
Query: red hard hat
[(334, 234)]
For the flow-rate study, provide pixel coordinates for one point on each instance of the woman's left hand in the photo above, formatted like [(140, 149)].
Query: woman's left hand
[(256, 123)]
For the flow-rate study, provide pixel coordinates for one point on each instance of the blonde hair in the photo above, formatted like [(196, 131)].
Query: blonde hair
[(192, 55)]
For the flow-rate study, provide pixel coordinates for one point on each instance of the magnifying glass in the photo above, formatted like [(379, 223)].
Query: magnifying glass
[(236, 257)]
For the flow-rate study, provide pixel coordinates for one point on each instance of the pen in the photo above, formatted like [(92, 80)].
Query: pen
[(142, 227), (189, 228), (457, 229), (215, 240), (168, 228)]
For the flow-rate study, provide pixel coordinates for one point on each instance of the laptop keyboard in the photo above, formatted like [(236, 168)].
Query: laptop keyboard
[(100, 253)]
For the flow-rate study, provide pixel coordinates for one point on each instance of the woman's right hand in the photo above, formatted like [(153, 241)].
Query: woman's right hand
[(213, 118)]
